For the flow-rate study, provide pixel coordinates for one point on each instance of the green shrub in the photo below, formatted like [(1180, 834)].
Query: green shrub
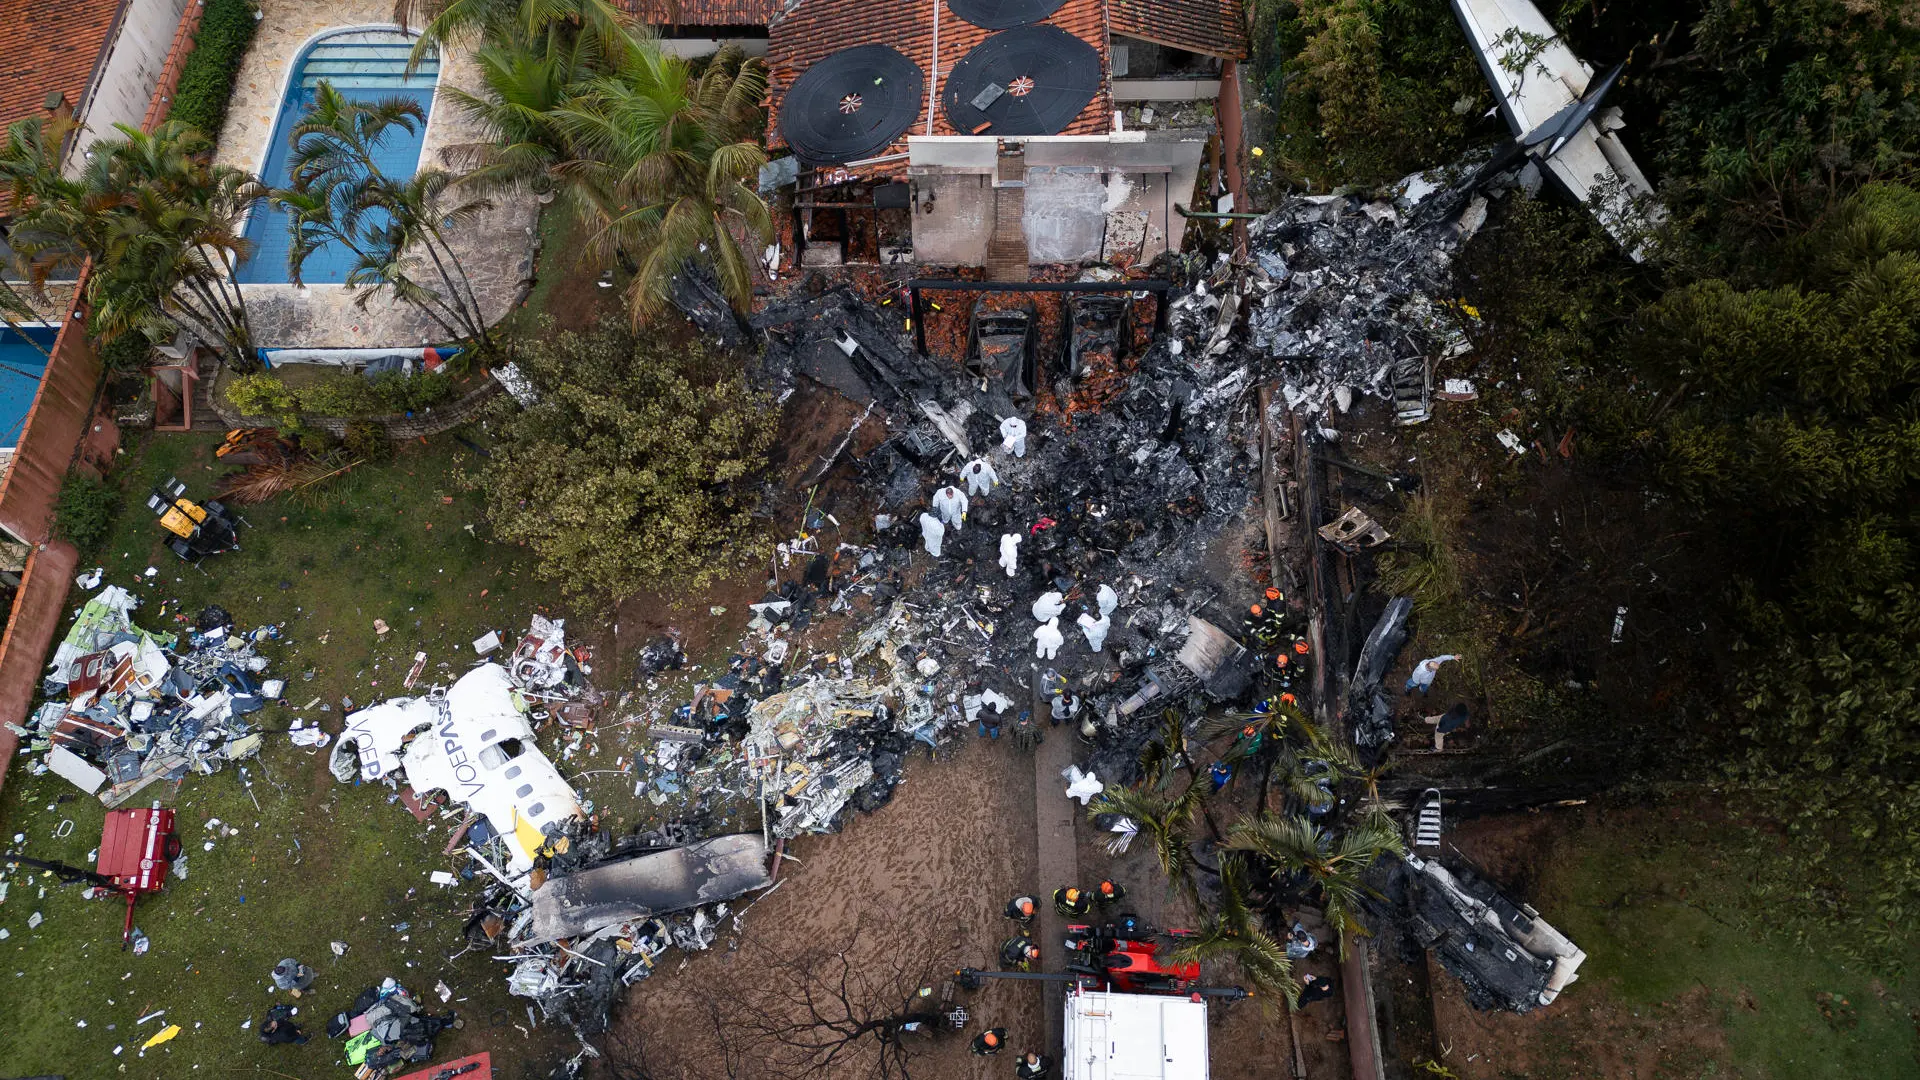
[(368, 441), (261, 395), (86, 509), (339, 395), (357, 395), (206, 79), (127, 354), (312, 441)]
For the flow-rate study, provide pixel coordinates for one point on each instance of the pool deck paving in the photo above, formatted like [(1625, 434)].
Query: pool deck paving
[(497, 249)]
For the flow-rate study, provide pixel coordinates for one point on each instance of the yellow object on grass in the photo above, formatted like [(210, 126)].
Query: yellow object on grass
[(165, 1034)]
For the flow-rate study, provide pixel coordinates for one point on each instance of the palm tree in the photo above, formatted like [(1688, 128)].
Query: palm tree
[(665, 167), (395, 229), (158, 219), (1283, 740), (1334, 864), (1167, 820), (396, 253), (1233, 932), (522, 85), (601, 23)]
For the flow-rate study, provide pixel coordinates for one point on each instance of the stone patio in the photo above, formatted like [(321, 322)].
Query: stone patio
[(497, 249)]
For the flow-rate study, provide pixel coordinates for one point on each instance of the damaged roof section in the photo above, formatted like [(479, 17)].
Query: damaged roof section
[(1210, 27)]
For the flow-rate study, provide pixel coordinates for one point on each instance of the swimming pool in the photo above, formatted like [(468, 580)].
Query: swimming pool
[(364, 65), (21, 368)]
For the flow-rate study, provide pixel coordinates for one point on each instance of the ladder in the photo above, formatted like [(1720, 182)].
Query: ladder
[(1426, 827)]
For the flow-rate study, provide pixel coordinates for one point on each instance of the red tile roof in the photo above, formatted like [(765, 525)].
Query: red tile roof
[(49, 46), (814, 28), (1212, 27), (705, 12)]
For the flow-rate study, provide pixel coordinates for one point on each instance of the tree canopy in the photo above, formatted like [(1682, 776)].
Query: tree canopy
[(635, 468)]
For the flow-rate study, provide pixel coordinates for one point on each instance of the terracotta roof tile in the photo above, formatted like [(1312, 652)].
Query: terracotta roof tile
[(46, 47), (704, 12), (1213, 27), (814, 28)]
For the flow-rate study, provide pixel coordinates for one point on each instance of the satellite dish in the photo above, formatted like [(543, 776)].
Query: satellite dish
[(1004, 14), (853, 104), (1033, 80)]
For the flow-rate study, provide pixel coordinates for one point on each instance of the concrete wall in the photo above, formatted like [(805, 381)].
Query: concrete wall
[(707, 46), (124, 85), (1165, 89), (955, 232), (1072, 184)]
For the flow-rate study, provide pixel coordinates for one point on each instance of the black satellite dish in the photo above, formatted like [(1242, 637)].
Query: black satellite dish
[(851, 105), (1029, 81), (1004, 14)]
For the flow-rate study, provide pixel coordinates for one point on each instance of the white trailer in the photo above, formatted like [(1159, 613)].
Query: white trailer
[(1111, 1036)]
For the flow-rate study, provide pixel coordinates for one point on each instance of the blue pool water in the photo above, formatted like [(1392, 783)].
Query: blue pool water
[(365, 65), (21, 368)]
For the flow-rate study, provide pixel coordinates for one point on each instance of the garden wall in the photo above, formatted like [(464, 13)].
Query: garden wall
[(64, 426)]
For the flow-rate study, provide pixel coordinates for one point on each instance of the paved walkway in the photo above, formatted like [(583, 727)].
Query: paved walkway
[(1054, 817)]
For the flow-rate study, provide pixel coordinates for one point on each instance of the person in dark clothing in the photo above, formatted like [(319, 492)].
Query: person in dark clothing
[(279, 1028), (1019, 954), (1020, 910), (1108, 892), (990, 1042), (1033, 1066), (1314, 988), (1071, 902)]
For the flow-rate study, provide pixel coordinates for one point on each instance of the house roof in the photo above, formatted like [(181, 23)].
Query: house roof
[(1212, 27), (46, 47), (704, 12), (813, 29)]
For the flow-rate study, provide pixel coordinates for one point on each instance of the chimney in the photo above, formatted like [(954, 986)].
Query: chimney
[(57, 105)]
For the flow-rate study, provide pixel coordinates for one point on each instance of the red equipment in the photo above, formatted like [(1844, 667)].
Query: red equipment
[(1127, 955), (137, 848)]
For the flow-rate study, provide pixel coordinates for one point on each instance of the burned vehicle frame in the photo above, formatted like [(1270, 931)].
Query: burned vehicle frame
[(1099, 325), (1001, 346)]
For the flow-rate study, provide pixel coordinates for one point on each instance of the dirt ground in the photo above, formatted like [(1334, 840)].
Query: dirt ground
[(928, 875)]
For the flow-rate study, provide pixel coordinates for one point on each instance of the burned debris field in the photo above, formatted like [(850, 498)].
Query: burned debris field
[(1073, 539)]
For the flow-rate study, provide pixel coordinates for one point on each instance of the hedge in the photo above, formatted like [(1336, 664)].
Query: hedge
[(206, 79), (339, 395)]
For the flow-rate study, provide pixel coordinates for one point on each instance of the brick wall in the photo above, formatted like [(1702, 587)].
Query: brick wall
[(65, 427)]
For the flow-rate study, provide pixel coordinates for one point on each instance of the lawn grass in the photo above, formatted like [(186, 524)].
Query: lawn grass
[(318, 861), (1659, 902)]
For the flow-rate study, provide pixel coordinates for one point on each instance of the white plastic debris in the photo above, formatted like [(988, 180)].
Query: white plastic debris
[(442, 878), (1082, 786), (487, 644)]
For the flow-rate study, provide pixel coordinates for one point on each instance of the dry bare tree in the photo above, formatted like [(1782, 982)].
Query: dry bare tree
[(862, 1006)]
